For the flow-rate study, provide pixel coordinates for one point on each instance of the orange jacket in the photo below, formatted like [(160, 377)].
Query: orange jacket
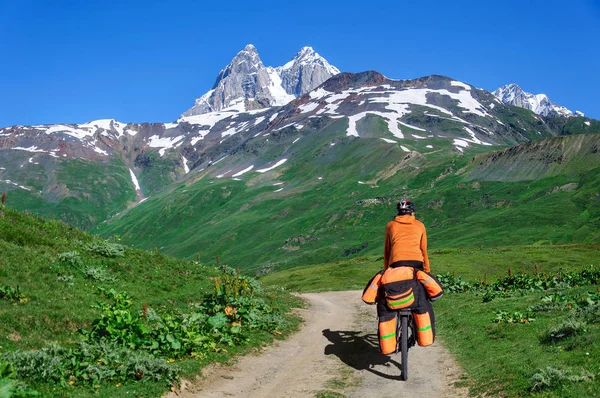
[(405, 239)]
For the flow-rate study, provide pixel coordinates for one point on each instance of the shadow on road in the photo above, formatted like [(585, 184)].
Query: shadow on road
[(358, 350)]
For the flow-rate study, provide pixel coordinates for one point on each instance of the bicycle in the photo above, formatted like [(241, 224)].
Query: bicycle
[(405, 338)]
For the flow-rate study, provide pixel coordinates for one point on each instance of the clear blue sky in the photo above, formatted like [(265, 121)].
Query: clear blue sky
[(146, 61)]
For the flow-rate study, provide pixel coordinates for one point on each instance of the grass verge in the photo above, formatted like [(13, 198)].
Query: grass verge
[(511, 341)]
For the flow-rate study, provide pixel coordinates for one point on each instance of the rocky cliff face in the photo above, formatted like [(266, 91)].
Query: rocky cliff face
[(246, 83), (512, 94), (306, 71)]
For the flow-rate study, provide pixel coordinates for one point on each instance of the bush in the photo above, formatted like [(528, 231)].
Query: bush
[(13, 294), (552, 378), (90, 364), (106, 249), (98, 274), (568, 328), (9, 386), (513, 317), (71, 258)]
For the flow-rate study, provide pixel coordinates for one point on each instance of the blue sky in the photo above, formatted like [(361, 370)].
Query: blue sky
[(146, 61)]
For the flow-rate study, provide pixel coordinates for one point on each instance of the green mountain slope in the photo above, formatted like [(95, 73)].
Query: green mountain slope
[(333, 201), (87, 173)]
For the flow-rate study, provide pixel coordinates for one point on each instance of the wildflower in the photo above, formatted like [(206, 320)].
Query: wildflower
[(230, 310)]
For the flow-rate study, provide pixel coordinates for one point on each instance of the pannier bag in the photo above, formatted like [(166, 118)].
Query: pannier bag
[(387, 336), (369, 295), (425, 328), (432, 285), (399, 287)]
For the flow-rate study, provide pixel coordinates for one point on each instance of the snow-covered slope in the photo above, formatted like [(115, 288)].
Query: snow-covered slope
[(512, 94), (246, 83)]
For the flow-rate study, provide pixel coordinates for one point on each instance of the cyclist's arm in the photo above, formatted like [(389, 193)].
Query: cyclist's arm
[(387, 249), (426, 267)]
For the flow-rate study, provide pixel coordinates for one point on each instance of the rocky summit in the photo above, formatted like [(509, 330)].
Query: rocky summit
[(246, 83), (512, 94)]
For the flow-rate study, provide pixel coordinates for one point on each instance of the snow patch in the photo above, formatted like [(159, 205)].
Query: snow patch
[(587, 123), (460, 84), (185, 164), (405, 149), (165, 142), (15, 184), (280, 96), (279, 163), (247, 169), (224, 174), (134, 179), (389, 141), (319, 93), (308, 107), (392, 121)]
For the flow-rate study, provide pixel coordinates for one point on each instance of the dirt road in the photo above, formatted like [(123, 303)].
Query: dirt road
[(336, 350)]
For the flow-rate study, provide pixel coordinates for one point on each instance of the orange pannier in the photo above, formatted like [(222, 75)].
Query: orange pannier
[(431, 284), (369, 295), (425, 332), (387, 336), (399, 287)]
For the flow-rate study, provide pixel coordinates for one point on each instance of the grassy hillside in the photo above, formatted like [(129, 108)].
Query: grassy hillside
[(332, 202), (123, 320), (520, 320), (70, 190)]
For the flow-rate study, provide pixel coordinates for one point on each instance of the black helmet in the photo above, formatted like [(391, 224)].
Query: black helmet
[(405, 206)]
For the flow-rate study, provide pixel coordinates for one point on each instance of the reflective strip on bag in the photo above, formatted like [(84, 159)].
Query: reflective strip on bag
[(397, 303)]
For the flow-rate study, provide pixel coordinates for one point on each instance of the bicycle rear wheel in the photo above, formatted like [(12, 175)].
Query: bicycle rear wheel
[(404, 346)]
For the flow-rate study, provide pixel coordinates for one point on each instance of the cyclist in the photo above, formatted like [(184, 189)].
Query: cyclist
[(405, 240), (405, 246)]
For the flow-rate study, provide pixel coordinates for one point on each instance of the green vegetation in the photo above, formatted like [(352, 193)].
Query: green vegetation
[(336, 199), (82, 316), (75, 192), (519, 320)]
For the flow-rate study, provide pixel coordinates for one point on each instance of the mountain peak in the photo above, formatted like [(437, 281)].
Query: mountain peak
[(305, 51), (246, 82), (513, 94)]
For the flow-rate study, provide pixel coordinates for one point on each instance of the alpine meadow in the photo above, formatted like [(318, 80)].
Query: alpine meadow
[(134, 255)]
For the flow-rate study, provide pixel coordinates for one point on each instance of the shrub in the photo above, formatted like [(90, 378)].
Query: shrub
[(98, 274), (454, 284), (9, 386), (552, 378), (568, 328), (513, 317), (89, 364), (13, 294), (71, 258), (106, 249)]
